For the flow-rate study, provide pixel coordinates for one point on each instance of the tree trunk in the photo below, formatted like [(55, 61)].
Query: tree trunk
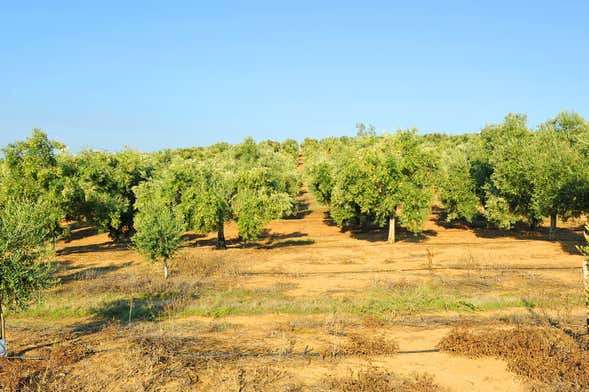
[(552, 230), (3, 349), (130, 309), (586, 281), (392, 222), (165, 269), (221, 235)]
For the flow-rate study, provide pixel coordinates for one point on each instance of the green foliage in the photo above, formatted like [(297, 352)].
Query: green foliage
[(250, 183), (364, 130), (30, 170), (571, 127), (374, 178), (254, 209), (159, 228), (506, 173), (457, 187), (509, 188), (100, 190), (560, 175), (25, 228), (321, 180)]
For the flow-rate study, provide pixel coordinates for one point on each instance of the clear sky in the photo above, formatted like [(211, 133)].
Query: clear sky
[(161, 74)]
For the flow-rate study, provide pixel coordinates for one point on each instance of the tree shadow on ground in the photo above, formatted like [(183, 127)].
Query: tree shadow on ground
[(286, 244), (281, 240), (107, 246), (188, 237), (143, 307), (212, 242), (568, 238), (138, 308), (382, 234), (301, 210), (80, 273), (328, 220), (267, 240), (80, 232), (373, 233)]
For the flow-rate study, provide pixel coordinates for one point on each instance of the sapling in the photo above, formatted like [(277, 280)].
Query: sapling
[(159, 229), (25, 230)]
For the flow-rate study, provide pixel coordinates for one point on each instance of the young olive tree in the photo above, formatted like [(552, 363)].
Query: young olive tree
[(25, 228), (158, 227)]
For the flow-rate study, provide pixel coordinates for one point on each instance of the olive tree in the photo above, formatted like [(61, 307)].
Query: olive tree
[(255, 208), (386, 179), (258, 199), (509, 187), (158, 228), (457, 187), (101, 189), (570, 126), (560, 178), (206, 199), (31, 169), (25, 228)]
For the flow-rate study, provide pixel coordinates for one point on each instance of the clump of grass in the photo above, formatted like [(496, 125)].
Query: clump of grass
[(335, 325), (542, 354), (362, 345), (377, 380), (373, 321), (371, 345)]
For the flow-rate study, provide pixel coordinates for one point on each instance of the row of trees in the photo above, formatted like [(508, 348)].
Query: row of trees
[(372, 179), (249, 182), (502, 175), (152, 199)]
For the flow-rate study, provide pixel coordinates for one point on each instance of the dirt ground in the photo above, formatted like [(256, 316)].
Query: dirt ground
[(280, 313)]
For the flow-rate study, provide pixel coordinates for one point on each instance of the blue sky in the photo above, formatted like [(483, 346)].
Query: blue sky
[(174, 74)]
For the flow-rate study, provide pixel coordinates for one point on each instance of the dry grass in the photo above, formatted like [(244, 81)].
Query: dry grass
[(362, 345), (544, 355), (216, 265), (378, 380), (370, 345), (42, 375), (223, 377)]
